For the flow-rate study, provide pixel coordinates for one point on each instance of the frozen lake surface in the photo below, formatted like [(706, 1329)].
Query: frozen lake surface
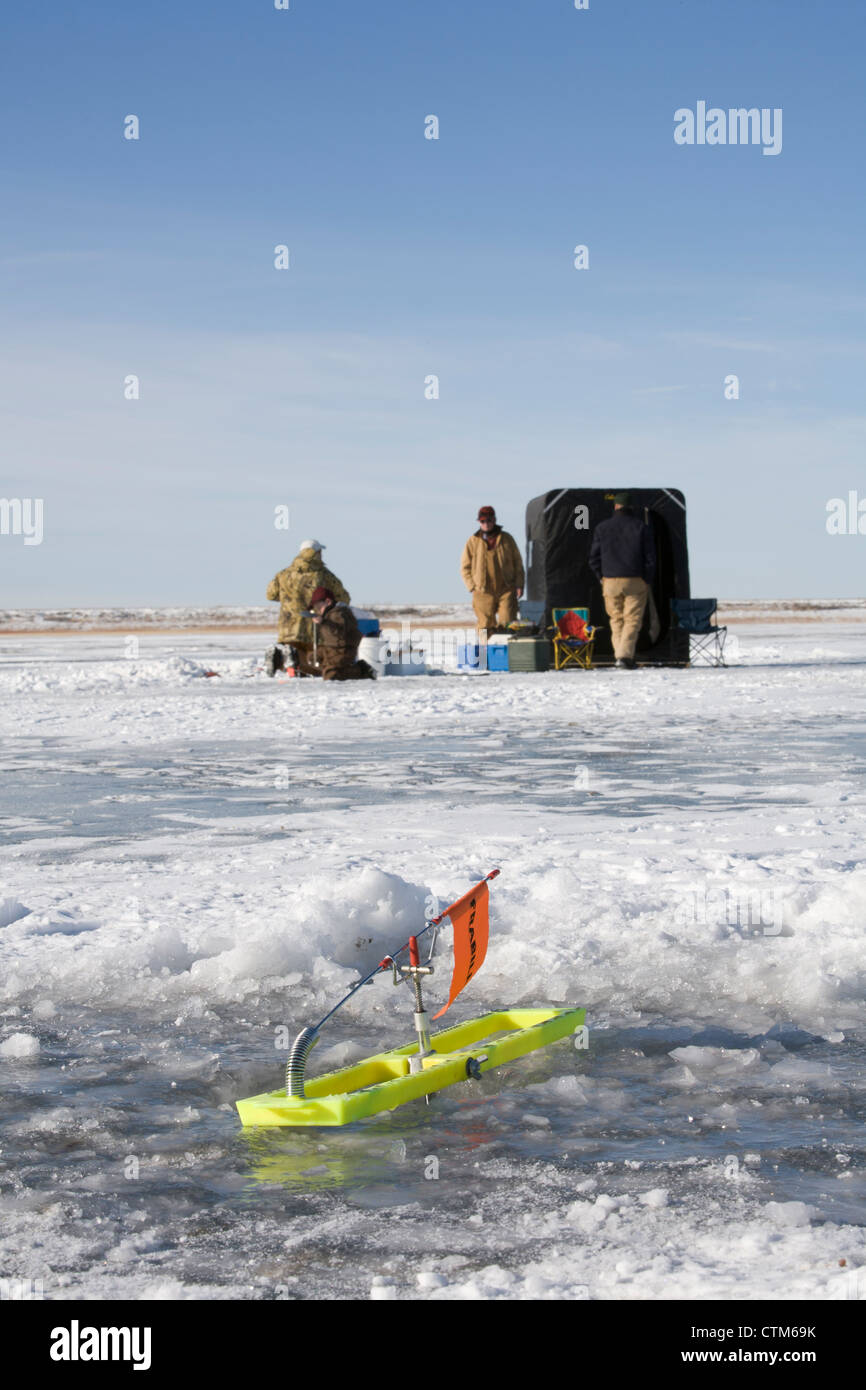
[(193, 863)]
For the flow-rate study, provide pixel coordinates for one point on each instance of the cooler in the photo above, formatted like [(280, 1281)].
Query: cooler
[(530, 654), (497, 654)]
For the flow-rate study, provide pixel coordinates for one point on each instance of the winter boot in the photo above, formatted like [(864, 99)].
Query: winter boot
[(275, 660)]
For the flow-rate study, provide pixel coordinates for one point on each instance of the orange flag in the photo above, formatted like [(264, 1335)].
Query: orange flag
[(469, 918)]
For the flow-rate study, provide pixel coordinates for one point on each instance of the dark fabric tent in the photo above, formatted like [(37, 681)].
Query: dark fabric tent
[(558, 541)]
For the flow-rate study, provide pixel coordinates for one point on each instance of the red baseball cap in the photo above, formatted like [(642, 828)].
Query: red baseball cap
[(320, 595), (486, 513)]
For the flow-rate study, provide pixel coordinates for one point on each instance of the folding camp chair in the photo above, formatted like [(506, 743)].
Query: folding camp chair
[(706, 639), (574, 638)]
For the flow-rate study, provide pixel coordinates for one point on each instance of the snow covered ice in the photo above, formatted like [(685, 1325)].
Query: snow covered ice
[(193, 866)]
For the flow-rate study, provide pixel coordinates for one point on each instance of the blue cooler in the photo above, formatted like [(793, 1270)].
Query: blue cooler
[(497, 656), (367, 622)]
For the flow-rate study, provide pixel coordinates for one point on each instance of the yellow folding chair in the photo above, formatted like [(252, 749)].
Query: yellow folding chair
[(571, 650)]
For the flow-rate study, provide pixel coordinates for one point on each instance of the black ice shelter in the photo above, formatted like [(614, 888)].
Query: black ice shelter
[(559, 530)]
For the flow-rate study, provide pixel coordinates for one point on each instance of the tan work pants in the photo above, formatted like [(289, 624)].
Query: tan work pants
[(625, 601), (494, 610)]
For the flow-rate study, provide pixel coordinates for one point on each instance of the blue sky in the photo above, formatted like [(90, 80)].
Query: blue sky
[(411, 257)]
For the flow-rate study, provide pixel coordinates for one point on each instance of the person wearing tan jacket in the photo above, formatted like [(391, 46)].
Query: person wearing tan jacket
[(492, 572)]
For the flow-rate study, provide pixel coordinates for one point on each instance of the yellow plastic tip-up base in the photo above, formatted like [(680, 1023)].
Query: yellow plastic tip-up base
[(385, 1081)]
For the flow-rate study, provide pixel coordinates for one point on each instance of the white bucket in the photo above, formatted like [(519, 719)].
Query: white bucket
[(372, 650)]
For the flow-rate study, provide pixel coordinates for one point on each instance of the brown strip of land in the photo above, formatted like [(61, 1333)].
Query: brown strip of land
[(828, 617)]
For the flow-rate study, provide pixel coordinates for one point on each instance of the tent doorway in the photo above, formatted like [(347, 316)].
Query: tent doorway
[(559, 530)]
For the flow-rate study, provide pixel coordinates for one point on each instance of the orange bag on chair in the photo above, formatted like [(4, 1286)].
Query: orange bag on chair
[(572, 625)]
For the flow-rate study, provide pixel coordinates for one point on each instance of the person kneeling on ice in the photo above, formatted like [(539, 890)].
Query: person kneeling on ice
[(339, 638), (292, 589)]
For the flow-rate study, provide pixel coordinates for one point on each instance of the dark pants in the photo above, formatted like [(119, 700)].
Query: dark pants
[(336, 667), (306, 665)]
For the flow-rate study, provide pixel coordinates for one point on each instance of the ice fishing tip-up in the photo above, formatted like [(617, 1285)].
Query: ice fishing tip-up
[(308, 1037)]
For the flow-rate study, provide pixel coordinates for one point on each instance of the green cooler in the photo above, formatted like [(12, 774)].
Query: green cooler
[(530, 654)]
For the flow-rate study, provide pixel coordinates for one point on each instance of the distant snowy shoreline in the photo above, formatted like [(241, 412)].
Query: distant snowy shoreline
[(262, 616)]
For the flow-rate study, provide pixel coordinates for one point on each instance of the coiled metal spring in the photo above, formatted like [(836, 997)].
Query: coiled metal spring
[(296, 1065)]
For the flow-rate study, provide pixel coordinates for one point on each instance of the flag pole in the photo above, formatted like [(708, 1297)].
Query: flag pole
[(308, 1037)]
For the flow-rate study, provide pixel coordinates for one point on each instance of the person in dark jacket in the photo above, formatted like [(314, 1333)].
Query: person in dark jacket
[(623, 557), (338, 639)]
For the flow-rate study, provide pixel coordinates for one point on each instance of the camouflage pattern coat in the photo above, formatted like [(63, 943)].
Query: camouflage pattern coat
[(292, 588)]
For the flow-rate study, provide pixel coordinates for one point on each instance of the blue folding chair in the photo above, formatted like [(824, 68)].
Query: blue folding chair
[(706, 638)]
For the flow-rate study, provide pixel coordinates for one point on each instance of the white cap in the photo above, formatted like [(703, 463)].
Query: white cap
[(311, 545)]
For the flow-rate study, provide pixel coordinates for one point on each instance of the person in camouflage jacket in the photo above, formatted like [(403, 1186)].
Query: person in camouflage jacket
[(293, 588), (339, 638)]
